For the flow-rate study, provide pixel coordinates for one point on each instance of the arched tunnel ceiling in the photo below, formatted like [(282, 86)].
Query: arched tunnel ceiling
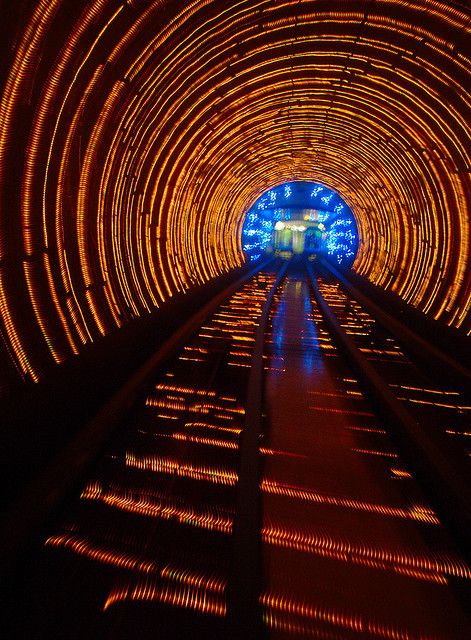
[(134, 136)]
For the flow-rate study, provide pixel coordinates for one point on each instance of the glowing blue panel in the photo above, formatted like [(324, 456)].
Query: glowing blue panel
[(283, 203)]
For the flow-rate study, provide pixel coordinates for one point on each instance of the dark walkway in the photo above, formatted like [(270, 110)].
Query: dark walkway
[(350, 547)]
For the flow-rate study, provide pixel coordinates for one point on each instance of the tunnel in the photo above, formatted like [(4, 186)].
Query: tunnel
[(146, 147)]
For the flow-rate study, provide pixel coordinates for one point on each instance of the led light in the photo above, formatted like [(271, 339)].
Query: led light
[(142, 141), (331, 217)]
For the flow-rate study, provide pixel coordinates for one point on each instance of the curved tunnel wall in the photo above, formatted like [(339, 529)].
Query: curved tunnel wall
[(134, 136)]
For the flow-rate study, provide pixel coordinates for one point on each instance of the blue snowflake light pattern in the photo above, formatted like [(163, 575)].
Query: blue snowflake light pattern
[(314, 202)]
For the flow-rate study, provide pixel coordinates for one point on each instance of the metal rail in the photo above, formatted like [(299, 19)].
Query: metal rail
[(51, 488), (445, 479), (244, 621), (422, 349)]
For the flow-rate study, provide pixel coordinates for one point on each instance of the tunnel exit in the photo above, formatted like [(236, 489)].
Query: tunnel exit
[(306, 235), (301, 218)]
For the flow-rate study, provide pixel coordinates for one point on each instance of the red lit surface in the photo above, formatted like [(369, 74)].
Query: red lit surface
[(349, 554)]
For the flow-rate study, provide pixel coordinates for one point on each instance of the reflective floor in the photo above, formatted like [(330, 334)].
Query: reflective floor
[(351, 549), (351, 546)]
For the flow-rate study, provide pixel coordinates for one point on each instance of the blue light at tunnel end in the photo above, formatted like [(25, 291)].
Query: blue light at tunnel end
[(340, 240)]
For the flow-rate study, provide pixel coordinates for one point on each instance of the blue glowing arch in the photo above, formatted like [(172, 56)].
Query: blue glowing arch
[(287, 201)]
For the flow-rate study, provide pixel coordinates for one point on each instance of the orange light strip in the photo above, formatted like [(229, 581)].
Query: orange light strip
[(420, 567), (133, 141), (419, 513)]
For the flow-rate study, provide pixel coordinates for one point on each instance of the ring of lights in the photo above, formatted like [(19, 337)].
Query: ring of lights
[(135, 135)]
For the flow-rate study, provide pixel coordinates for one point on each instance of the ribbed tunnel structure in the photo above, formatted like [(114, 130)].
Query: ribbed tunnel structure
[(208, 435), (135, 135)]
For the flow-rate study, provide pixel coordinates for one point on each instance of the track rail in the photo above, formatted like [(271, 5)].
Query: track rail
[(244, 619), (173, 513), (49, 490), (443, 470), (422, 349)]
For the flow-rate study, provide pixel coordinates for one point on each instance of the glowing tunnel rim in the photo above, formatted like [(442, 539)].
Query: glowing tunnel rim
[(301, 199), (149, 132)]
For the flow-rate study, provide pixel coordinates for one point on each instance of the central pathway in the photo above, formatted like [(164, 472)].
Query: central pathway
[(146, 548), (351, 548)]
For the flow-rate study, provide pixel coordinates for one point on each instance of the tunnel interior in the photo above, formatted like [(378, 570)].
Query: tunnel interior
[(152, 154), (133, 135)]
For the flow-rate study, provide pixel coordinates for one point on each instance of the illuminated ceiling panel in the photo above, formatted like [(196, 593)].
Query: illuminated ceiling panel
[(134, 136)]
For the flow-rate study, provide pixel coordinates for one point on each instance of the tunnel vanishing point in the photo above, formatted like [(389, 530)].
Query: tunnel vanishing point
[(135, 135), (152, 154)]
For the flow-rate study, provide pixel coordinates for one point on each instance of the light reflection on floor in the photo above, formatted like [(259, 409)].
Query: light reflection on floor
[(315, 406)]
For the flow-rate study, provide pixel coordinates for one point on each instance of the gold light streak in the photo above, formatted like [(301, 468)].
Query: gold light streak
[(176, 586), (280, 609), (49, 94), (341, 411), (165, 403), (81, 546), (367, 430), (460, 408), (17, 80), (82, 198), (207, 425), (400, 473), (282, 612), (227, 444), (329, 394), (206, 407), (421, 567), (161, 507), (204, 592), (418, 513), (435, 391), (193, 597), (156, 464), (212, 442), (181, 404), (76, 313), (374, 452)]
